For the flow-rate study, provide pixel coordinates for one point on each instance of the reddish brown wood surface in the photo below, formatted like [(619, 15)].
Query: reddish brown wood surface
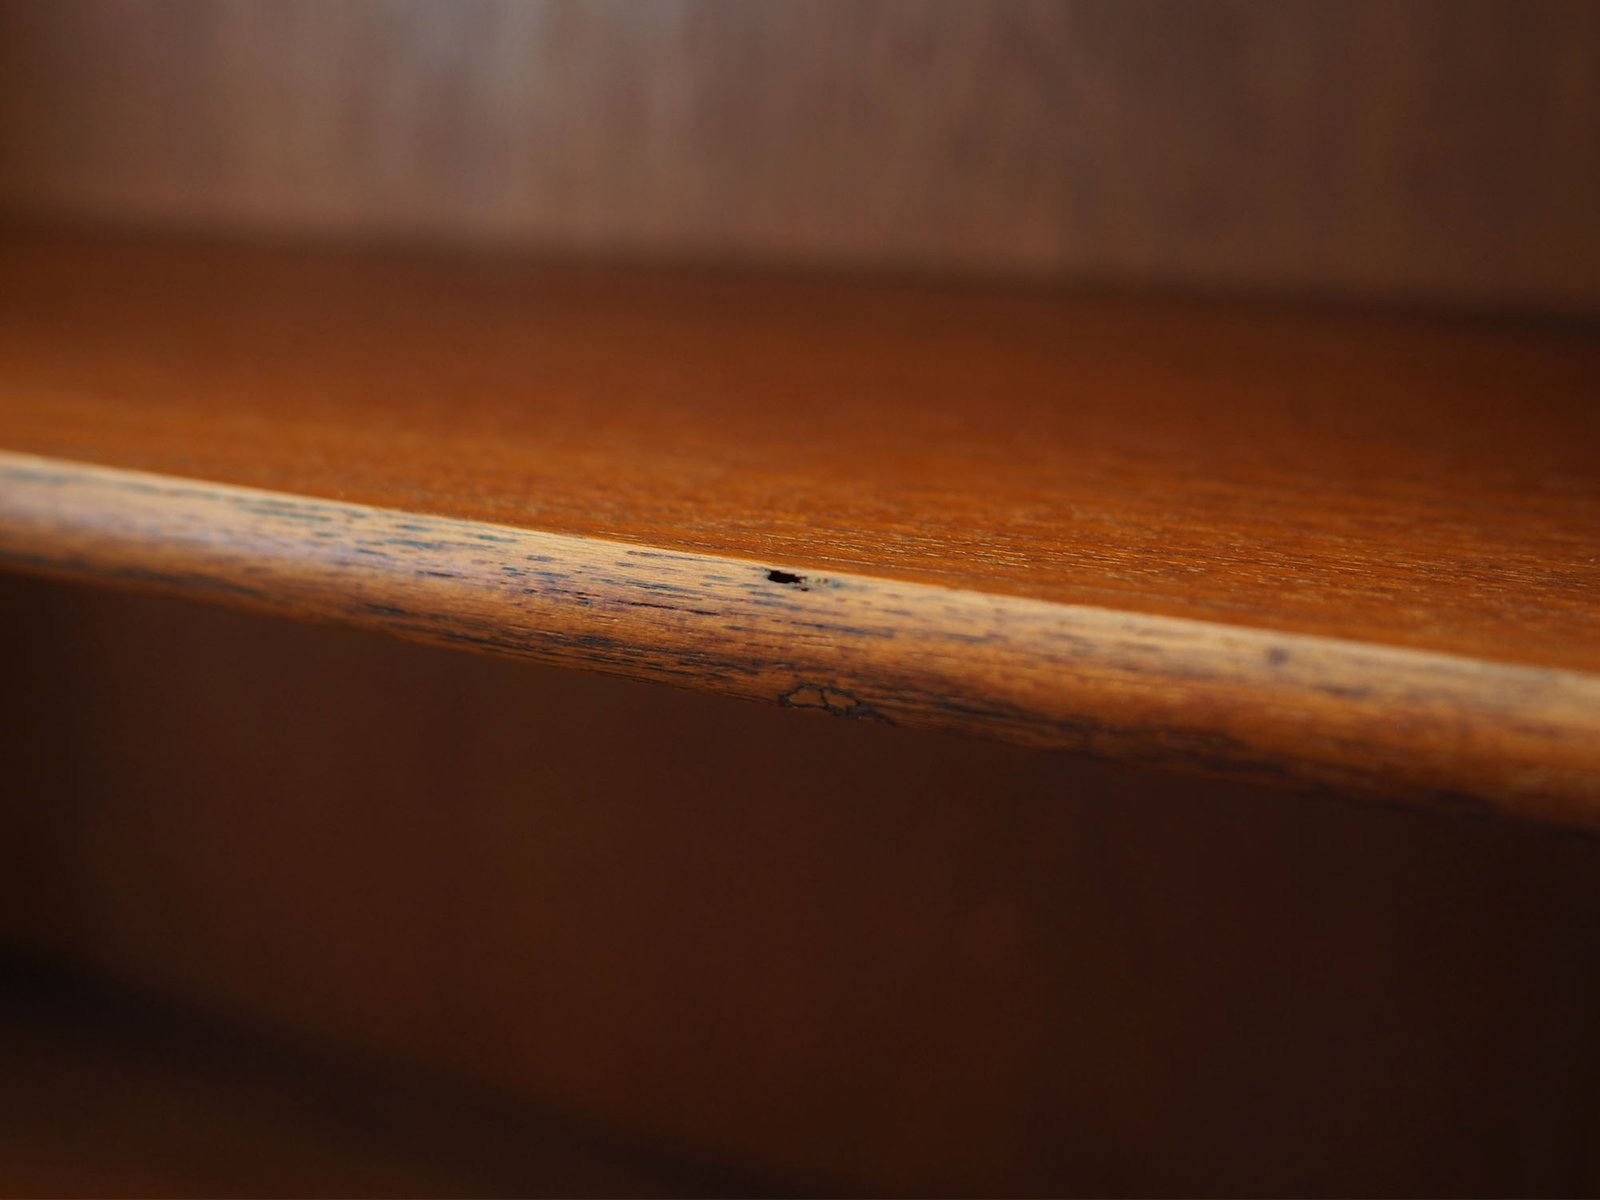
[(1445, 148), (1352, 549)]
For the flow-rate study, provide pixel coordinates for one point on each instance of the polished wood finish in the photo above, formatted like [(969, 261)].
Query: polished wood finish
[(1158, 690), (1413, 482), (1343, 549), (1354, 549), (1442, 148)]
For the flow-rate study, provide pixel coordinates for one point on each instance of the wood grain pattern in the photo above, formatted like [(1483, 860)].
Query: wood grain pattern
[(1154, 689), (850, 958), (1414, 482), (1359, 549), (1445, 148)]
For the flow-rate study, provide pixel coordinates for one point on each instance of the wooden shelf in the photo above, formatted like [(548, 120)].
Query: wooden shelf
[(1329, 548)]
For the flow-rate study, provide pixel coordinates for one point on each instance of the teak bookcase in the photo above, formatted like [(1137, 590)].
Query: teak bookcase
[(1168, 434)]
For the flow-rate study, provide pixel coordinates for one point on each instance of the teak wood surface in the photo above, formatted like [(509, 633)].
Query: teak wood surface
[(1447, 149), (1355, 550)]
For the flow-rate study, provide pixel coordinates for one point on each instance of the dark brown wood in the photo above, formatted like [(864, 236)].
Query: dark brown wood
[(1339, 549), (852, 959), (111, 1093), (1446, 148)]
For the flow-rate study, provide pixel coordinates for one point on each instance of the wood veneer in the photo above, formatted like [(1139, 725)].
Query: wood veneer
[(862, 960), (1336, 548), (1441, 148)]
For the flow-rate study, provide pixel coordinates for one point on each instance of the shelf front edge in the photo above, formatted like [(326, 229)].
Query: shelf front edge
[(1163, 691)]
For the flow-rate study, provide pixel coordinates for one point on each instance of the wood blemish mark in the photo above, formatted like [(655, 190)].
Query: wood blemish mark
[(788, 578), (830, 700)]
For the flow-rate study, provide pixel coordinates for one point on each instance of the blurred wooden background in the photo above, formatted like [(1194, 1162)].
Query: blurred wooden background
[(846, 957), (1443, 149)]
